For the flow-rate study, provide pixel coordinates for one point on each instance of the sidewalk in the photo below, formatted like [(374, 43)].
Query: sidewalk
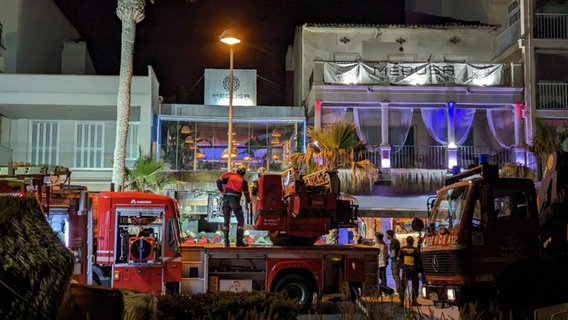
[(383, 308)]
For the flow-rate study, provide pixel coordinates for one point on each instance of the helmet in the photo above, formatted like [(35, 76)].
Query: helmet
[(242, 170)]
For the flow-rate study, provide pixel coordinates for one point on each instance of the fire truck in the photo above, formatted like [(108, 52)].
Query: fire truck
[(297, 209), (138, 242), (491, 244), (138, 247), (65, 206), (135, 237)]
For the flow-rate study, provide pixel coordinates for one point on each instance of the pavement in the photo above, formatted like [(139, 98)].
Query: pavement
[(382, 307)]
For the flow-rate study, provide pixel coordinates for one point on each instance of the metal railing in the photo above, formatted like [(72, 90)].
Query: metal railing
[(508, 37), (424, 157), (435, 157), (552, 96), (551, 26)]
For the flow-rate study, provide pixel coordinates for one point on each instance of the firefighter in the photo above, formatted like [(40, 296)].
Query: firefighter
[(248, 239), (217, 237), (409, 257), (190, 237), (233, 186), (202, 238)]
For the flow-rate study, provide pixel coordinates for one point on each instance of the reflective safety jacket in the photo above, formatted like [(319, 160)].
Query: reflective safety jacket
[(234, 184), (409, 256)]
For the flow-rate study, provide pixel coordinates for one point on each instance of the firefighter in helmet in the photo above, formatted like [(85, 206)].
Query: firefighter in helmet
[(234, 186), (203, 238)]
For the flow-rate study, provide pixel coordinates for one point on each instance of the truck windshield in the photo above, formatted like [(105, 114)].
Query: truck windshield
[(447, 211)]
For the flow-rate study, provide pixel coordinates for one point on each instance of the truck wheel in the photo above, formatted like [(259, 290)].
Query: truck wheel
[(296, 287)]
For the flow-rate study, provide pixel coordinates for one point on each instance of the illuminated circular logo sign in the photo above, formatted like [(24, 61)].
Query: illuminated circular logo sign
[(227, 81)]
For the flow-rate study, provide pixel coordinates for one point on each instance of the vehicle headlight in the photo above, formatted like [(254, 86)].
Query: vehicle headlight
[(451, 294), (423, 292)]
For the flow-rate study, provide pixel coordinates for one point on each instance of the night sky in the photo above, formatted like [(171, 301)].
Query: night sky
[(180, 39)]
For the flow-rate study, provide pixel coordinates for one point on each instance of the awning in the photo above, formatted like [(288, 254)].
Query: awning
[(405, 206)]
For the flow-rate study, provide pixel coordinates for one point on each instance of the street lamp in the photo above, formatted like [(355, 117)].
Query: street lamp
[(230, 38)]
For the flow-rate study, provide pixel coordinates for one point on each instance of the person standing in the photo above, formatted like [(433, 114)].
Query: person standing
[(233, 186), (410, 259), (383, 258), (394, 249)]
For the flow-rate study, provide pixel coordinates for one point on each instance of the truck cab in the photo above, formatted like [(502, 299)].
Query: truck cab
[(138, 242), (479, 225)]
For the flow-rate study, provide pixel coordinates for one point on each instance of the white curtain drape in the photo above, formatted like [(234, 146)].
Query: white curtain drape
[(400, 120), (502, 125), (436, 122), (331, 115), (368, 122)]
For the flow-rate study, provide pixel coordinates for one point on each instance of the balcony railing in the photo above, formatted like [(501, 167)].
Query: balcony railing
[(552, 96), (508, 37), (551, 26), (435, 157)]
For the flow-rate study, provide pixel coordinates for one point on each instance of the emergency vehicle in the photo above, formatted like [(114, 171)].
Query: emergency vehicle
[(492, 245)]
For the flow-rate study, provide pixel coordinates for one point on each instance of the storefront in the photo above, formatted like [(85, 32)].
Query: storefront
[(380, 213), (194, 137)]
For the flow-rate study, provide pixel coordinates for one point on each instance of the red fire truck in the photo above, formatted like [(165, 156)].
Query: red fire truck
[(303, 272), (64, 205), (138, 238), (138, 243), (138, 247)]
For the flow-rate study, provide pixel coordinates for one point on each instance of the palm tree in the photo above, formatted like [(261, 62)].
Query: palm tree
[(546, 141), (334, 147), (147, 174), (130, 12)]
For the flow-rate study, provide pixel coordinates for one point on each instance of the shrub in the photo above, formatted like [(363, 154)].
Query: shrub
[(256, 305)]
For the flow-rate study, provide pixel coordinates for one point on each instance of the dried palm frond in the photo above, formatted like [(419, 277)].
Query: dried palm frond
[(36, 267)]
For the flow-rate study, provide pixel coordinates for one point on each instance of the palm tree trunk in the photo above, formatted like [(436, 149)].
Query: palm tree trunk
[(130, 13)]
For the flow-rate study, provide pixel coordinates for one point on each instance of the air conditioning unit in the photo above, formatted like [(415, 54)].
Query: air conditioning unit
[(141, 249)]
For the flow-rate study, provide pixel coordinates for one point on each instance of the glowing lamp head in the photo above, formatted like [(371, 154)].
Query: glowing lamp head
[(229, 37)]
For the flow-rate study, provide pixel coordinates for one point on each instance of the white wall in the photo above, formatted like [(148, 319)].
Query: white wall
[(380, 44), (34, 32)]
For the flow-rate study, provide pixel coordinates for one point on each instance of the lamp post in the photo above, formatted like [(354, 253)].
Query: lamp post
[(230, 38)]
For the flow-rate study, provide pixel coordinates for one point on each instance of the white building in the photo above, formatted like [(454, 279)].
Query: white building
[(48, 87), (54, 109)]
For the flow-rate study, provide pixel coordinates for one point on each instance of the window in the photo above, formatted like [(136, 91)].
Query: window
[(449, 209), (132, 144), (513, 12), (511, 205), (89, 144), (44, 142)]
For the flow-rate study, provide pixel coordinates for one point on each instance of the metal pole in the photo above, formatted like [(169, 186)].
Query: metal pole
[(230, 133)]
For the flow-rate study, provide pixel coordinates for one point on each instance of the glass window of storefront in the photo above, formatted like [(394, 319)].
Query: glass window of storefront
[(200, 143)]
